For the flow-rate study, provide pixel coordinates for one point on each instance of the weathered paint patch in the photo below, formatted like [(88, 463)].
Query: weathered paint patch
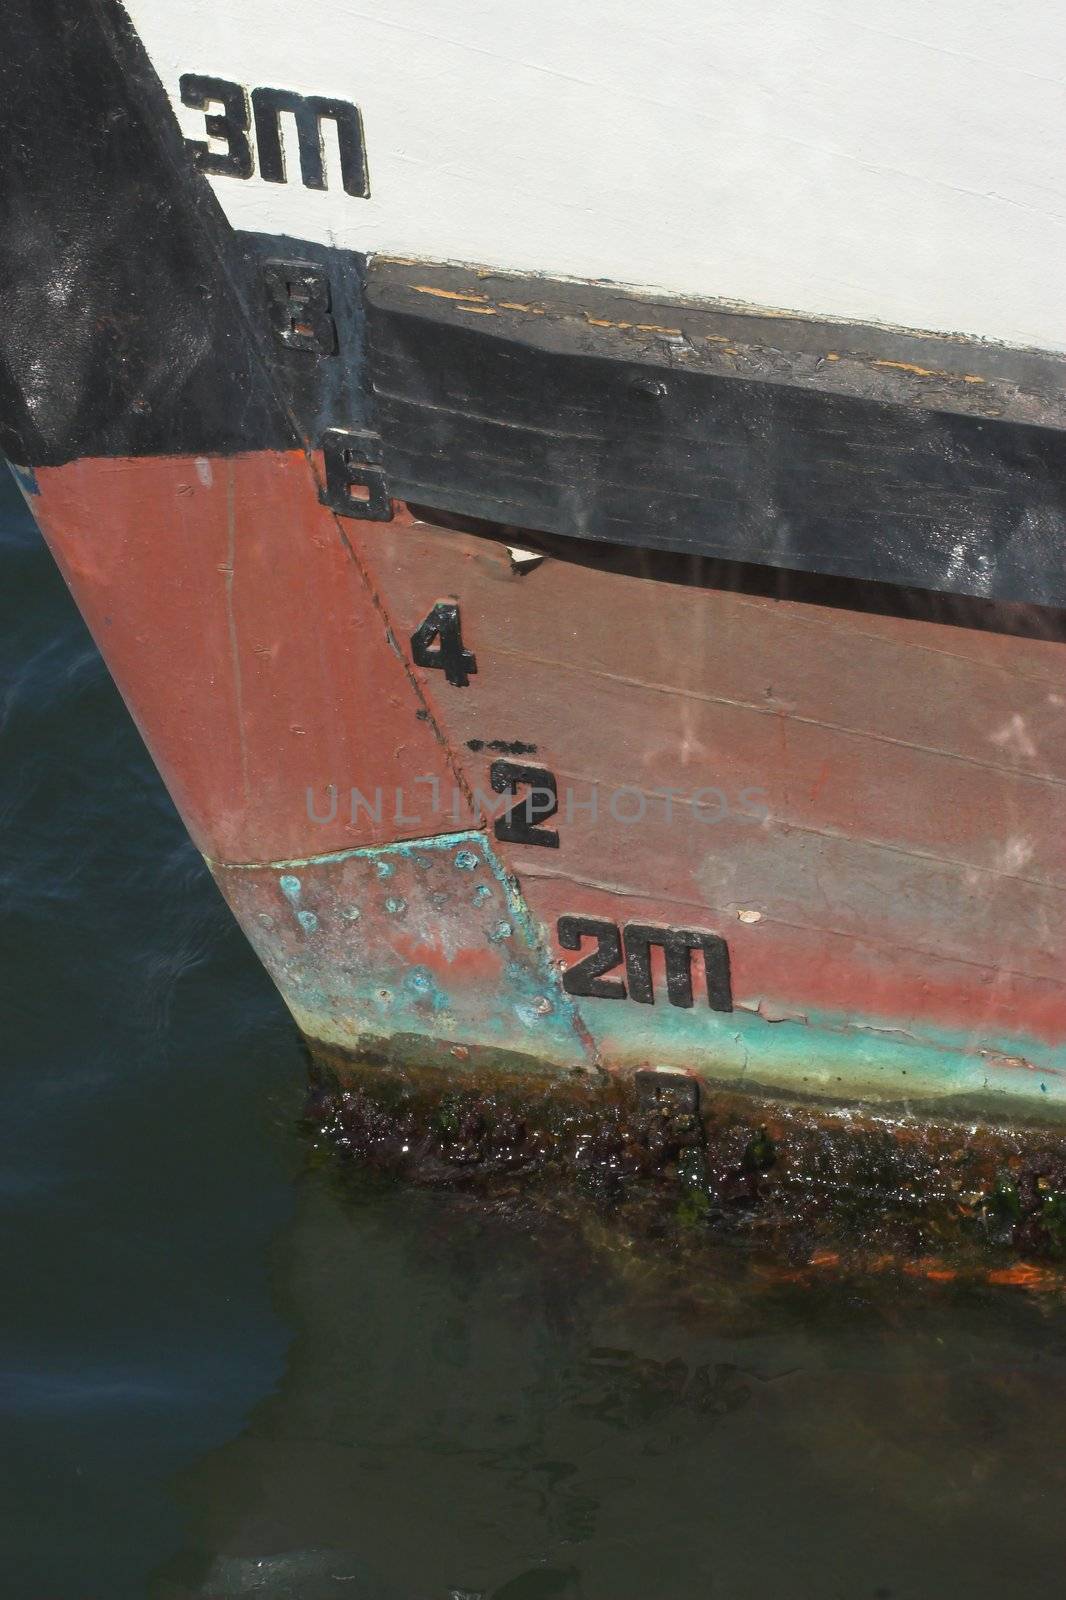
[(909, 881), (837, 1058), (424, 965), (889, 857), (427, 967)]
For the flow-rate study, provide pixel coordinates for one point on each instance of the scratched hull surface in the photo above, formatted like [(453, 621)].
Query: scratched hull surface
[(862, 805), (548, 687)]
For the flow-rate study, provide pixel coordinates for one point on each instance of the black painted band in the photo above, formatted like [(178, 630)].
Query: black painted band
[(124, 331), (855, 451)]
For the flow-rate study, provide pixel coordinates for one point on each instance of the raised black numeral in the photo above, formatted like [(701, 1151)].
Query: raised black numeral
[(299, 304), (677, 944), (356, 485), (517, 825), (451, 656), (309, 112), (638, 939), (585, 977), (231, 124)]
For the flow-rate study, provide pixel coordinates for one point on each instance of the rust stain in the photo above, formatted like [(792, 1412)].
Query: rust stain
[(446, 294), (868, 1199), (909, 366), (996, 1058), (637, 327), (1024, 1275), (932, 1268), (927, 372), (738, 347)]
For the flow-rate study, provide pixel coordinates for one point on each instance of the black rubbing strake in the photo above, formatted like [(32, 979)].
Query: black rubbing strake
[(578, 411)]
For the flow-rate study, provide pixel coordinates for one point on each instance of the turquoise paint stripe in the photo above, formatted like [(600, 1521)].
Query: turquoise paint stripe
[(402, 847), (830, 1054), (835, 1056), (529, 1012)]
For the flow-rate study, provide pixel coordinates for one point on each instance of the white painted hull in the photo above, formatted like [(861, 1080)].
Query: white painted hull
[(901, 164)]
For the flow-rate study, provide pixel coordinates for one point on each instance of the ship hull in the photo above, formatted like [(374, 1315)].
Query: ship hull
[(854, 804), (555, 678)]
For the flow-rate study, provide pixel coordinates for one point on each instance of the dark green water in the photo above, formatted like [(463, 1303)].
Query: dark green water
[(225, 1372)]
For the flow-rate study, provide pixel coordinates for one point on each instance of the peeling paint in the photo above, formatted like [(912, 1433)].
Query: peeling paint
[(503, 993)]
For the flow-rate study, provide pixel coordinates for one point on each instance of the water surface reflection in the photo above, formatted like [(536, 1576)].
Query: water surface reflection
[(476, 1406)]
